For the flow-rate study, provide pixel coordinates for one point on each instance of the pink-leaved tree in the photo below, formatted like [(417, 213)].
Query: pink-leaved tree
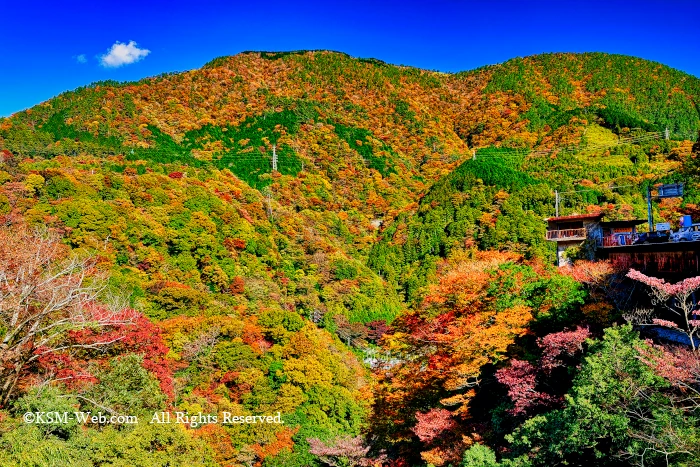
[(522, 377), (677, 298), (349, 451)]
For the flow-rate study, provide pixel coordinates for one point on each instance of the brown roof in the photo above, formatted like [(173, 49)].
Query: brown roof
[(576, 217), (625, 223)]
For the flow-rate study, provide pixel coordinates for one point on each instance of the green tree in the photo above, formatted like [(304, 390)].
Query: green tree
[(618, 410)]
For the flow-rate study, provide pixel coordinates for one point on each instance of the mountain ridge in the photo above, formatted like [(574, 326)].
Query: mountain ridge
[(278, 220)]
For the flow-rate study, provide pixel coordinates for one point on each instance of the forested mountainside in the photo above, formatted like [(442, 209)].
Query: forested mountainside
[(355, 245)]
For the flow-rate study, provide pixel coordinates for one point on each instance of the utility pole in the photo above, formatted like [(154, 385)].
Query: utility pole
[(268, 199), (666, 133), (650, 215), (274, 158), (556, 202)]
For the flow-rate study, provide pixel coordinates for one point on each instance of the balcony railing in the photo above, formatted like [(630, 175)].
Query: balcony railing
[(566, 234)]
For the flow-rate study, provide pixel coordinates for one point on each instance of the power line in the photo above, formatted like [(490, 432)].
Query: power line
[(517, 152), (557, 194), (595, 189)]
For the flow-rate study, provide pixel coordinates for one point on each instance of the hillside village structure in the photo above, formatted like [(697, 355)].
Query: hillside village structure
[(614, 241)]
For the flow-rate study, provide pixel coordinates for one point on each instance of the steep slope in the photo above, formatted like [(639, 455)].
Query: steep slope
[(499, 201), (170, 183), (414, 119)]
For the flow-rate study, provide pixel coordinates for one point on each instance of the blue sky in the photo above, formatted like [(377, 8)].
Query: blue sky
[(47, 47)]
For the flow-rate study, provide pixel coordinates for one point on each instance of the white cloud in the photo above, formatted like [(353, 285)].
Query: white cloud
[(123, 54), (81, 58)]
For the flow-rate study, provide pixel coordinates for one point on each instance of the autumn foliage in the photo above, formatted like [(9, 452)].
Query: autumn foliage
[(442, 348), (387, 288)]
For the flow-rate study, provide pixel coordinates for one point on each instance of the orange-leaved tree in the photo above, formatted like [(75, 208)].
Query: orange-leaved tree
[(439, 351)]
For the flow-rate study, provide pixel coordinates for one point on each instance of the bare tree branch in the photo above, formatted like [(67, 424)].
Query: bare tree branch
[(45, 293)]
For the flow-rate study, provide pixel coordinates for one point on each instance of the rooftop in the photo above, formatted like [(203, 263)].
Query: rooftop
[(623, 223), (575, 217)]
